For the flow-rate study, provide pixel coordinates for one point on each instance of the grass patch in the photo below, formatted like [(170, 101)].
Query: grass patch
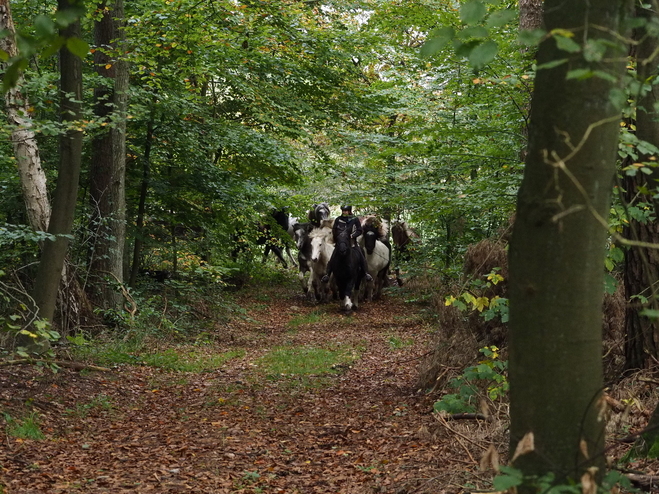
[(25, 428), (396, 343), (304, 361), (137, 352), (310, 318)]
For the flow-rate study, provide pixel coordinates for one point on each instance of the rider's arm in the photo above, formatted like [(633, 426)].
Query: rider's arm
[(357, 231)]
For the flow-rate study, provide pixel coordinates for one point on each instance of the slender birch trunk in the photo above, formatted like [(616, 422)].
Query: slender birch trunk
[(26, 149)]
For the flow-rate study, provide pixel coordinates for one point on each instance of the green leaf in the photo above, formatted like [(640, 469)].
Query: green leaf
[(501, 18), (78, 47), (474, 32), (438, 40), (12, 74), (531, 37), (68, 16), (650, 313), (594, 50), (511, 478), (483, 54), (54, 46), (552, 64), (472, 12), (610, 284), (580, 74), (44, 26), (566, 44)]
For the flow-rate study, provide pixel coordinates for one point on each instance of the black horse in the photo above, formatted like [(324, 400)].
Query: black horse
[(268, 233), (348, 269), (278, 243)]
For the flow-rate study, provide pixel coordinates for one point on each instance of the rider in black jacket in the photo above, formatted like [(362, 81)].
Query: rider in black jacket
[(351, 223)]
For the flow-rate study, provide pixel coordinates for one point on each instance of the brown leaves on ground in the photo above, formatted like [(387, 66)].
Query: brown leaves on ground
[(364, 429), (142, 429)]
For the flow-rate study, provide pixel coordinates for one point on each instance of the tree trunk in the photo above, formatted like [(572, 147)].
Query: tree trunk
[(144, 191), (108, 168), (557, 252), (530, 14), (26, 149), (642, 265), (64, 201)]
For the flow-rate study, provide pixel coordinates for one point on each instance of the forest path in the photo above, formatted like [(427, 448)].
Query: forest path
[(360, 428)]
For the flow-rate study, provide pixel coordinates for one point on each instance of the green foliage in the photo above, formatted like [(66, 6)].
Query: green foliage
[(397, 343), (491, 371), (24, 428), (474, 35), (474, 300), (42, 38), (311, 318), (509, 478)]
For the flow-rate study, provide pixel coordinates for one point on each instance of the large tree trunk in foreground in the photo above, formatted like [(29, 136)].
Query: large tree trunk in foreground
[(24, 142), (108, 168), (66, 191), (557, 252)]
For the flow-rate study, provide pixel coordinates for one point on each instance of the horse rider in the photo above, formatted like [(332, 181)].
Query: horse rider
[(350, 223)]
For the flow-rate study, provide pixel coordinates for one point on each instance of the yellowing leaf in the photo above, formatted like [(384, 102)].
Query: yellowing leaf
[(449, 300), (562, 32), (481, 303), (495, 278)]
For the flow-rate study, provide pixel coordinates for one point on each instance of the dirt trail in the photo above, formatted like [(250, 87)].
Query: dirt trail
[(141, 429)]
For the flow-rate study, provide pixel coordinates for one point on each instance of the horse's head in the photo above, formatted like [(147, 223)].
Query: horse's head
[(322, 211), (301, 233), (343, 242), (370, 237), (318, 238)]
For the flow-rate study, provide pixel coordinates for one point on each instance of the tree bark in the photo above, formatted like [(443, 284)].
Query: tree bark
[(144, 191), (108, 167), (642, 265), (530, 14), (66, 190), (24, 142), (557, 251)]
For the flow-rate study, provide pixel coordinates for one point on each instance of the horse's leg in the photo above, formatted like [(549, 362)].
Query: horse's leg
[(266, 251), (303, 284), (279, 255), (288, 251)]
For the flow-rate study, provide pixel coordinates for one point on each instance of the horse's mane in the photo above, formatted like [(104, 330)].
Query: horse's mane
[(324, 232), (374, 223), (327, 223)]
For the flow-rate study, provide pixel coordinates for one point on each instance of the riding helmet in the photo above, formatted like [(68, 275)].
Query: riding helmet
[(346, 208)]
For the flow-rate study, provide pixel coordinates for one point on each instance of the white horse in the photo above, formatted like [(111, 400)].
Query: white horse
[(321, 252), (303, 243), (378, 258), (376, 249)]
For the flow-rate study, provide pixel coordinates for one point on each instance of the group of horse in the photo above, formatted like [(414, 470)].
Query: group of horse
[(315, 245)]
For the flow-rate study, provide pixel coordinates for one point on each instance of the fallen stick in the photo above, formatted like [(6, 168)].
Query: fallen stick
[(62, 363)]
